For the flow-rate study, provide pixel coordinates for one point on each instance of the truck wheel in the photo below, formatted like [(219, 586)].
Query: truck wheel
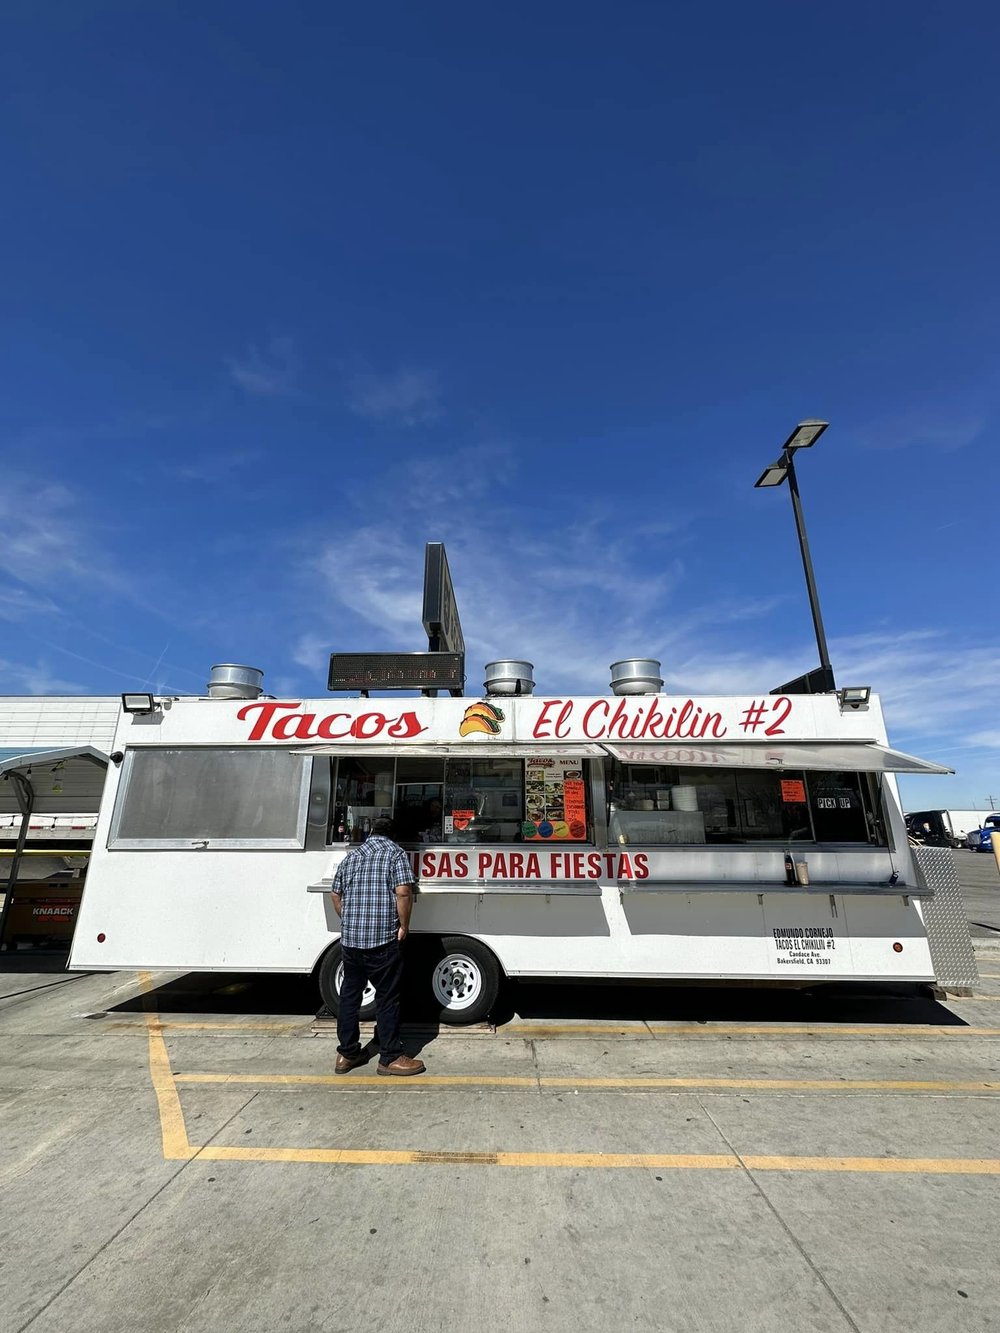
[(331, 978), (465, 981)]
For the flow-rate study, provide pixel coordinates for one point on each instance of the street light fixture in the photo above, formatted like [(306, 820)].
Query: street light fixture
[(805, 434), (773, 475)]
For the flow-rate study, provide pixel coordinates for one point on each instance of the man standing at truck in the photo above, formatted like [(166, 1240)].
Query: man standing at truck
[(373, 896)]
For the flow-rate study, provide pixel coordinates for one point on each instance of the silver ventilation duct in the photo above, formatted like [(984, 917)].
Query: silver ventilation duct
[(636, 675), (509, 677), (230, 681)]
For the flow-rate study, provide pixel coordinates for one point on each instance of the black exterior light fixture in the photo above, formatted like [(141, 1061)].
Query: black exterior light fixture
[(855, 696), (804, 436), (138, 703)]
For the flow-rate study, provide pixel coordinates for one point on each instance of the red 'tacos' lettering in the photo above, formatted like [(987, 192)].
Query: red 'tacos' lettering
[(270, 724)]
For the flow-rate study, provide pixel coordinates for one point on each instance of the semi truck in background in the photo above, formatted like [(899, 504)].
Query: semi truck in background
[(948, 828), (981, 839)]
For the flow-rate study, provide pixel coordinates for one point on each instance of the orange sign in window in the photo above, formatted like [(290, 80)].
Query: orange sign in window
[(793, 791), (575, 801)]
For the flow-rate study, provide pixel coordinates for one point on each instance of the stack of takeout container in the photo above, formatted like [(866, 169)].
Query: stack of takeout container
[(684, 798)]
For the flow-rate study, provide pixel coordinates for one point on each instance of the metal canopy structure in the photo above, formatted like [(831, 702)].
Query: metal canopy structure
[(457, 750), (817, 755), (46, 781)]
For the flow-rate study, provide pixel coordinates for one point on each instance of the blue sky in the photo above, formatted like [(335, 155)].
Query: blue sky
[(291, 290)]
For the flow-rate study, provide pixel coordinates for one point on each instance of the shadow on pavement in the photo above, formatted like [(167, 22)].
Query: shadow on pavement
[(830, 1003), (868, 1003), (35, 961)]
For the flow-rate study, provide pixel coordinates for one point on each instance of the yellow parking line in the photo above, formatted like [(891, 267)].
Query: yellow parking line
[(545, 1081), (760, 1030), (177, 1146), (973, 1166), (367, 1080), (170, 1025), (172, 1129), (956, 1166), (572, 1029)]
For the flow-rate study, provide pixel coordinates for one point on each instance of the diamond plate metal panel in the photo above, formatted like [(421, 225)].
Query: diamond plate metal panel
[(945, 918)]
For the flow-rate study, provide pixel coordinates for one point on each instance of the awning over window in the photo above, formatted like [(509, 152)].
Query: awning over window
[(842, 756), (64, 780), (458, 750)]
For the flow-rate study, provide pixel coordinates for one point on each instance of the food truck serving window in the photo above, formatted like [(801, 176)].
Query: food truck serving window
[(463, 798), (226, 797), (657, 804)]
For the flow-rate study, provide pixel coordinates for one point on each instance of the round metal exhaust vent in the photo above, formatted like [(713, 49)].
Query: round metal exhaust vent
[(636, 675), (232, 681), (509, 677)]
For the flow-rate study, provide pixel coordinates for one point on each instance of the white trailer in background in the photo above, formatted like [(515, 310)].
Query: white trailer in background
[(946, 827), (641, 836)]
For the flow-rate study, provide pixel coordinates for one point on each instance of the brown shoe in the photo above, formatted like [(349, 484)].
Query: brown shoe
[(402, 1066), (345, 1063)]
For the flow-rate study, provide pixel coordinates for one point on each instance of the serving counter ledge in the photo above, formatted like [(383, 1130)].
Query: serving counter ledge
[(898, 890), (592, 889)]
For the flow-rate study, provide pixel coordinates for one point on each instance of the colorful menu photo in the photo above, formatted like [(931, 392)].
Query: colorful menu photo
[(555, 801)]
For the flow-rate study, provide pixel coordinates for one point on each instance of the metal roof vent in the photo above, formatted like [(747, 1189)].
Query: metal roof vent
[(509, 678), (636, 675), (230, 681)]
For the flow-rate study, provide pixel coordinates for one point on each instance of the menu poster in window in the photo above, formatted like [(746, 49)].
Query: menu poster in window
[(793, 791), (555, 803)]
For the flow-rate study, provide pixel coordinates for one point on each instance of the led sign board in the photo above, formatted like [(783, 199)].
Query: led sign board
[(396, 671)]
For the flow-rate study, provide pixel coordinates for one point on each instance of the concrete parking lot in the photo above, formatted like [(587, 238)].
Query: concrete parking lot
[(177, 1154)]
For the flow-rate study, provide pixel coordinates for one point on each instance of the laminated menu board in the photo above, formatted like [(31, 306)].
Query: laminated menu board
[(555, 800)]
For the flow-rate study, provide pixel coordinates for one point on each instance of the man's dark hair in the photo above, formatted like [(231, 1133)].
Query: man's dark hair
[(383, 827)]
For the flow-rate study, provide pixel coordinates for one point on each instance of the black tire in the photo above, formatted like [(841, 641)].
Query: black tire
[(330, 978), (464, 981)]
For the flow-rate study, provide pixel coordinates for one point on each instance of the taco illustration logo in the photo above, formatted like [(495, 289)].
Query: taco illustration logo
[(482, 718)]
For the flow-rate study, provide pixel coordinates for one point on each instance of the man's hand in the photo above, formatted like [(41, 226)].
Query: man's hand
[(404, 906)]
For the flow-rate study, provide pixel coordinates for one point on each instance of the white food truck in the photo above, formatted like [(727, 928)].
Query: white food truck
[(634, 835)]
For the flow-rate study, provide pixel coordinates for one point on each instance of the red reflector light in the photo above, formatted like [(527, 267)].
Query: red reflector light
[(101, 938), (897, 947)]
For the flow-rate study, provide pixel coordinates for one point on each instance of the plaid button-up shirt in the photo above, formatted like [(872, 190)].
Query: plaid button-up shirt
[(366, 881)]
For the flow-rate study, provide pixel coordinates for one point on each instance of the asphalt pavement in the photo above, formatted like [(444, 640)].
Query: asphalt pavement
[(980, 881), (177, 1154)]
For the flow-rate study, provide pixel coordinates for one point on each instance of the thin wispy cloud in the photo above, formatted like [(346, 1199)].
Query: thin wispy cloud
[(404, 397), (18, 604), (570, 598), (933, 683), (48, 536), (34, 678), (929, 428), (270, 371)]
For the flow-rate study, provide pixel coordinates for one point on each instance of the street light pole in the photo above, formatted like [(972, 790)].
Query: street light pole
[(805, 434), (800, 528)]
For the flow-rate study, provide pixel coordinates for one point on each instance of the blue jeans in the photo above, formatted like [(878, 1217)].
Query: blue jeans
[(383, 967)]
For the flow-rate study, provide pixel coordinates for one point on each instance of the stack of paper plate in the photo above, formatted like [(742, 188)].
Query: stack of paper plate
[(684, 798)]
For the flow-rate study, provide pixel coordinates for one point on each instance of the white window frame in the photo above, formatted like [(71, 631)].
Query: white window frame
[(297, 842)]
